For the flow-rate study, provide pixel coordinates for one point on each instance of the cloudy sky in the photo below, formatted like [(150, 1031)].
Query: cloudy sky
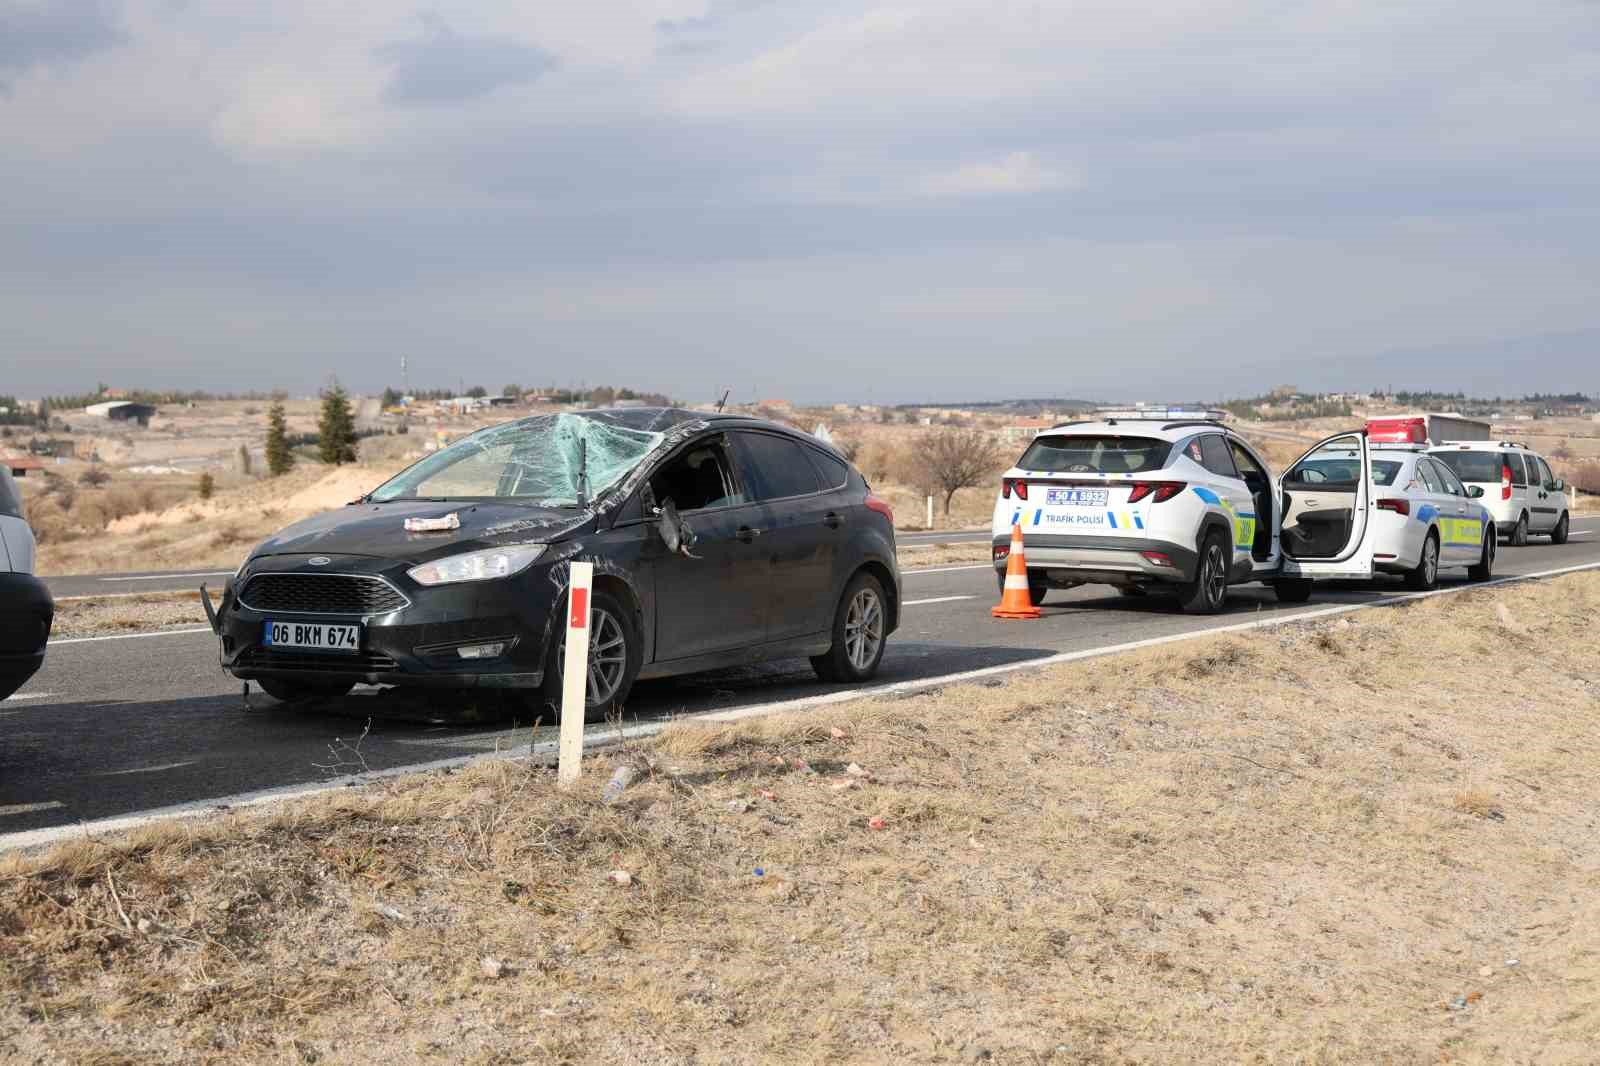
[(939, 199)]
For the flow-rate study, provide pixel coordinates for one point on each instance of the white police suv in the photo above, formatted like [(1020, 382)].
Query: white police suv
[(1185, 504)]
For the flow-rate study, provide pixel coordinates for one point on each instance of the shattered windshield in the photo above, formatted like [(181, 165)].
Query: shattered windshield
[(560, 460)]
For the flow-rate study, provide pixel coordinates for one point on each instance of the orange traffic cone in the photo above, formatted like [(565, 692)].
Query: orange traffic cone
[(1014, 599)]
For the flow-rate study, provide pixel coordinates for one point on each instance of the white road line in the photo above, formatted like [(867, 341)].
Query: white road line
[(946, 570), (145, 769), (29, 808), (170, 577), (131, 636), (936, 599), (28, 696), (546, 751)]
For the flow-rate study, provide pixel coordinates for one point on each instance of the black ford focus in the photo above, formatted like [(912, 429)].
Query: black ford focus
[(717, 540)]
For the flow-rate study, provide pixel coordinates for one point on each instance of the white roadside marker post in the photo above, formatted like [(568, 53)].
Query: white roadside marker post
[(575, 674), (930, 512)]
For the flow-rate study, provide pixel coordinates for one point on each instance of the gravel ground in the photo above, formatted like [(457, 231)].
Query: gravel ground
[(98, 616)]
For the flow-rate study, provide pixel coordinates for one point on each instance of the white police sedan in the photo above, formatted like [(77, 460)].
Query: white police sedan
[(1424, 518)]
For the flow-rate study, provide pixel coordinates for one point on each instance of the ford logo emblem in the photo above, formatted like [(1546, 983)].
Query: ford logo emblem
[(319, 560)]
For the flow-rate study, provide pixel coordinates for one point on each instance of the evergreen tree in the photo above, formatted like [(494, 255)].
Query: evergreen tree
[(208, 485), (337, 428), (390, 398), (244, 459), (279, 458)]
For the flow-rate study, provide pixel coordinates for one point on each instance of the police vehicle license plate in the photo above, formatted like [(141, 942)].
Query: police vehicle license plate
[(312, 636), (1075, 497)]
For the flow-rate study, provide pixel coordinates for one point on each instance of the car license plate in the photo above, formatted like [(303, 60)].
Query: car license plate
[(312, 636), (1075, 497)]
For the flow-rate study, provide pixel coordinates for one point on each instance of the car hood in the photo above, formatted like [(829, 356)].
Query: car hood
[(378, 530)]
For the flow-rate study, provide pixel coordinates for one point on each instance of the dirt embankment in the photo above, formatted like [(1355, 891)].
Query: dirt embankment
[(1333, 843)]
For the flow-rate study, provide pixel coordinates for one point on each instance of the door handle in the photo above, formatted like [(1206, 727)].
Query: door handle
[(833, 520), (748, 533)]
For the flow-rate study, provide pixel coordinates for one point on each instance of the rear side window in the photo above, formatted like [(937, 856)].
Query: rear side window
[(1429, 478), (1384, 471), (1094, 455), (1215, 457), (10, 498), (1482, 467), (833, 470), (778, 467), (1514, 461)]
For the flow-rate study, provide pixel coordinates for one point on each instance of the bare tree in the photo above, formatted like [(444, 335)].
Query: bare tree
[(955, 459)]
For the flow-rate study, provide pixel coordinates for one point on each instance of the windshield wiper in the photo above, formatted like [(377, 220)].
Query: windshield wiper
[(583, 471)]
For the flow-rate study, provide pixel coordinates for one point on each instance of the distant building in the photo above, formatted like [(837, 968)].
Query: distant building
[(122, 411), (19, 465)]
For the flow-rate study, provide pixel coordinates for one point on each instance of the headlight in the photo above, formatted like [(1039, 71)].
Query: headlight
[(476, 566)]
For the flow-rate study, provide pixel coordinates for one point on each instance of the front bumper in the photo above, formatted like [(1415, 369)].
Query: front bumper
[(414, 645), (26, 613), (1101, 560)]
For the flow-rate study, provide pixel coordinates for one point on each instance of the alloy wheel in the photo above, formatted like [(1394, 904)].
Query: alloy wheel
[(1216, 575), (608, 656), (1430, 561), (863, 628)]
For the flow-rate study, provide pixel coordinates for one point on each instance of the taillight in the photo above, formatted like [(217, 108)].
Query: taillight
[(875, 504), (1505, 482), (1002, 552), (1014, 485), (1397, 506), (1158, 491)]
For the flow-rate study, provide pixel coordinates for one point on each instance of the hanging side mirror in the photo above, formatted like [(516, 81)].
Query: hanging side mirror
[(675, 532)]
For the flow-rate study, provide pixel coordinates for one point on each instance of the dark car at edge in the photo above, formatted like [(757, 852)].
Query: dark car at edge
[(26, 608), (717, 540)]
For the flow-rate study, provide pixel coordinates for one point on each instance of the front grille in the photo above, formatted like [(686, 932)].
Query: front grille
[(321, 594), (289, 660)]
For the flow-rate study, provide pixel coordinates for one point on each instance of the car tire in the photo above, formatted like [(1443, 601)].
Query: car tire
[(1519, 534), (860, 632), (1037, 589), (1207, 593), (1483, 569), (294, 692), (1293, 589), (9, 683), (1425, 575), (618, 664), (1558, 535)]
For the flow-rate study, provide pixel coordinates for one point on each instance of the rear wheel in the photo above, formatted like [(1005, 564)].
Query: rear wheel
[(615, 653), (298, 692), (1425, 575), (1483, 569), (860, 631), (1558, 535), (1209, 589), (1293, 589), (1519, 535)]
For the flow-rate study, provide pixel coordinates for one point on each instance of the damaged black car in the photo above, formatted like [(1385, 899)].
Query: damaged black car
[(717, 541)]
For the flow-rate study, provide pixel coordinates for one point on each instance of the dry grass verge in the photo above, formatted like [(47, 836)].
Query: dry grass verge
[(917, 556), (96, 616), (1364, 841)]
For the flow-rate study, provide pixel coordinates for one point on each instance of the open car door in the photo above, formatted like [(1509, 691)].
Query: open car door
[(1326, 510)]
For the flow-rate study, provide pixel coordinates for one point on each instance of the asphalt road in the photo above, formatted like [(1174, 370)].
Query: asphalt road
[(122, 725), (136, 581)]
